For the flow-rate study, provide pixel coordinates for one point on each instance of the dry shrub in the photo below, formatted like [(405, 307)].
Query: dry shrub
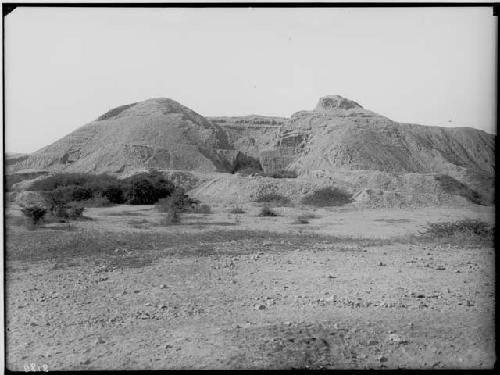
[(329, 196), (267, 211), (34, 215), (304, 219)]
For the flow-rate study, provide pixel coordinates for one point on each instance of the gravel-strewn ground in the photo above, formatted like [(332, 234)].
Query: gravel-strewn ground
[(251, 302)]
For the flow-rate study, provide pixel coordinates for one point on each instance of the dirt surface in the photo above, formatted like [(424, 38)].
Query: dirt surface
[(206, 295)]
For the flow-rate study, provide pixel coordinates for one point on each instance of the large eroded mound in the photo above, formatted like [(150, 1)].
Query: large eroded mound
[(156, 133)]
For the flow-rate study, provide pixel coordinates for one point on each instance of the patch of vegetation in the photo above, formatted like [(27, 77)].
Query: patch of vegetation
[(329, 196), (304, 219), (147, 188), (267, 211), (34, 215), (282, 173), (460, 232), (236, 210), (140, 189), (274, 198), (455, 187)]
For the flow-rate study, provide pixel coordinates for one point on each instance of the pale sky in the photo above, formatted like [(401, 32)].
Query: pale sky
[(66, 66)]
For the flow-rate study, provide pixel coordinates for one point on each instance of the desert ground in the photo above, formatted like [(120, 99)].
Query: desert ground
[(351, 289)]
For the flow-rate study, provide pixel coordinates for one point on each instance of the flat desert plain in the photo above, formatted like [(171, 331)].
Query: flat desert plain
[(345, 288)]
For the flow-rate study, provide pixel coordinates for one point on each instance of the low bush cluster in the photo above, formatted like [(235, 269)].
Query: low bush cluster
[(143, 188), (329, 196), (304, 219), (462, 231)]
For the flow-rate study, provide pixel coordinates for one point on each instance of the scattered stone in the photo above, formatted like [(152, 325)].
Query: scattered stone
[(469, 303), (168, 346), (381, 264), (163, 286), (147, 304), (382, 359), (336, 326), (373, 342), (440, 268), (260, 307), (32, 324)]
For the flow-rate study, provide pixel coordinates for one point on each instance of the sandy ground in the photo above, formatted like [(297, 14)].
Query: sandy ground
[(294, 300)]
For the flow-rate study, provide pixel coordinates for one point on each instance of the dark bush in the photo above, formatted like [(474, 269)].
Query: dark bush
[(114, 194), (144, 188), (282, 173), (147, 188), (330, 196), (34, 213), (267, 211), (62, 180), (274, 198)]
